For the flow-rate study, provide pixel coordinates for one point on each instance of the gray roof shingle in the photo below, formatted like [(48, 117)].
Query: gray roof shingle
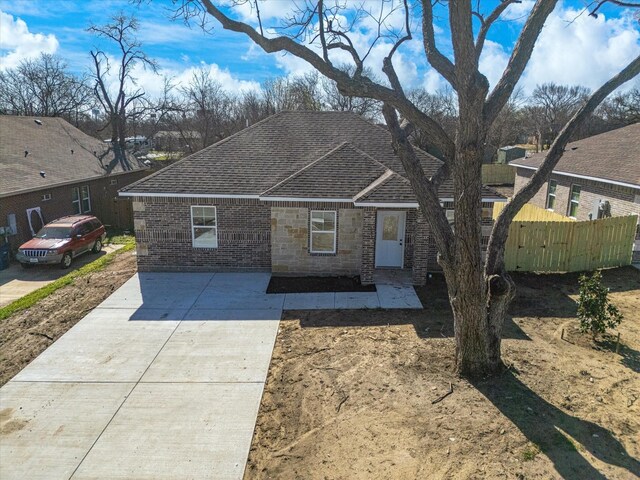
[(49, 147), (340, 174), (293, 155), (613, 156)]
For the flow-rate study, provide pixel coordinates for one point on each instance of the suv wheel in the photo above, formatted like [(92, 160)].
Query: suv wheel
[(66, 260), (97, 246)]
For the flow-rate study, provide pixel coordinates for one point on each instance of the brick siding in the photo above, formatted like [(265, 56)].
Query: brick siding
[(622, 199), (163, 234), (271, 236), (105, 204)]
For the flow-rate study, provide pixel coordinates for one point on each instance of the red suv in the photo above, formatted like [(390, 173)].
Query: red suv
[(62, 240)]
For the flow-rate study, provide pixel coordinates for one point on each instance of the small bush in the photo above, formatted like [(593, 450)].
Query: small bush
[(595, 311)]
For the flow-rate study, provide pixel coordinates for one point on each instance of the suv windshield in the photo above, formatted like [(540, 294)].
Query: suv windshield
[(54, 232)]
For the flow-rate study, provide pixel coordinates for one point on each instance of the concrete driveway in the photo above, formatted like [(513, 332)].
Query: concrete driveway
[(16, 282), (162, 381)]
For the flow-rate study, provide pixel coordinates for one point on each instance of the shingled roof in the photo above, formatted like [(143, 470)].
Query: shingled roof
[(30, 145), (292, 155), (612, 157)]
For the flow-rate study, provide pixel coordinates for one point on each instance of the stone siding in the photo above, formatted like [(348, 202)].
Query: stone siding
[(290, 252), (163, 233)]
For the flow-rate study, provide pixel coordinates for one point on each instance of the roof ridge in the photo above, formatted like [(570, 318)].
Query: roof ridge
[(373, 185), (297, 173), (188, 157), (415, 147)]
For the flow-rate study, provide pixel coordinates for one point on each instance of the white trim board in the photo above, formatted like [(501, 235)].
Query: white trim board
[(294, 199), (585, 177), (185, 195)]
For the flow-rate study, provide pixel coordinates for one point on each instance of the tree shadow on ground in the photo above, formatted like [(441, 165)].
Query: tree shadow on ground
[(537, 294), (428, 323), (630, 357), (558, 435)]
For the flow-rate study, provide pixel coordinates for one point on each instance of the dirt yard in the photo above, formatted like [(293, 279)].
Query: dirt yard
[(350, 394), (24, 335)]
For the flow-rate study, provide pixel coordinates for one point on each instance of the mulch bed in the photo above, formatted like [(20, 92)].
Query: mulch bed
[(317, 284)]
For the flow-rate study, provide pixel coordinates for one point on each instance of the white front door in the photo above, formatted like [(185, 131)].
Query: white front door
[(390, 238)]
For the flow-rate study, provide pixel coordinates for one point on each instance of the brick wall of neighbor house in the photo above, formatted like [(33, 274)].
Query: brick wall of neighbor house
[(163, 234), (290, 243), (622, 199), (105, 204)]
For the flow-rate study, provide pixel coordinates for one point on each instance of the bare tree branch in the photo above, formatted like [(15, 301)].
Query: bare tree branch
[(426, 193), (486, 23), (442, 64), (519, 59), (360, 86), (495, 256)]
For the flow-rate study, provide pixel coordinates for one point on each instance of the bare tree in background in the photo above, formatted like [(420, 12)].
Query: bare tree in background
[(550, 107), (441, 106), (116, 88), (623, 109), (208, 110), (44, 87), (480, 290)]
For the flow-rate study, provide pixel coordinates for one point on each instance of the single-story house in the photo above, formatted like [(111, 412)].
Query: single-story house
[(299, 193), (596, 177), (49, 169)]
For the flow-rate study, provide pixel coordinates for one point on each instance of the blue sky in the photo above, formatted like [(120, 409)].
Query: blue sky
[(574, 48)]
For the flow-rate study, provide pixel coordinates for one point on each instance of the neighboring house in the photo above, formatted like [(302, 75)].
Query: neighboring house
[(597, 176), (176, 141), (299, 193), (49, 169)]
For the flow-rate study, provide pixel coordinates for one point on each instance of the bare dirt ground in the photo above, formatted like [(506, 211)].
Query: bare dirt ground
[(24, 335), (350, 394)]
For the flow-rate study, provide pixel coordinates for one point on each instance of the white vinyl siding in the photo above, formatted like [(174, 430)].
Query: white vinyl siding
[(323, 232), (204, 226)]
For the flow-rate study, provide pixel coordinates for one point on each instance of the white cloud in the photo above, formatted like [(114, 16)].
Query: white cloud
[(582, 50), (17, 43), (493, 61), (153, 83)]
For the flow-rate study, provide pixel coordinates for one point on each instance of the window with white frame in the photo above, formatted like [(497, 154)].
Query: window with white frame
[(75, 200), (551, 194), (323, 231), (204, 226), (86, 200), (574, 200), (80, 198)]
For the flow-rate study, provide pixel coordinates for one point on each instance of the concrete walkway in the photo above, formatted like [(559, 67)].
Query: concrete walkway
[(163, 380), (16, 282)]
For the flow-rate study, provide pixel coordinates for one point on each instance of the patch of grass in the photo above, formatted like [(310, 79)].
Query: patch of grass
[(530, 452), (37, 295), (120, 237)]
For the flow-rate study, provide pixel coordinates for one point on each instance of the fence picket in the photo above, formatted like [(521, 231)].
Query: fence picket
[(553, 246)]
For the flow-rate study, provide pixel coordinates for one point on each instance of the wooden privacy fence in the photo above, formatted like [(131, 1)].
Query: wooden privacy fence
[(553, 246), (498, 174), (532, 213)]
